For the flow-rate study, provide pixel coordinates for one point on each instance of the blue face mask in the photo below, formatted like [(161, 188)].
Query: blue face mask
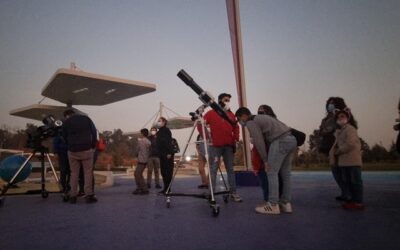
[(242, 123), (330, 108)]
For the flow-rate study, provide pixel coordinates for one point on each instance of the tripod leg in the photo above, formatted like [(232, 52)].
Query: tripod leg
[(203, 127), (225, 196), (11, 182), (54, 171)]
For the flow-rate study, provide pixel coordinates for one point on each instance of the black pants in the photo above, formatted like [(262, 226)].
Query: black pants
[(351, 182), (167, 169), (65, 171), (337, 176)]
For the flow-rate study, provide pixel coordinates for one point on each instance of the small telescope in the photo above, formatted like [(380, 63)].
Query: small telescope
[(205, 97)]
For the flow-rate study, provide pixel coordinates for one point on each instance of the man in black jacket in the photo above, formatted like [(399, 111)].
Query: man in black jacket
[(166, 152), (80, 134)]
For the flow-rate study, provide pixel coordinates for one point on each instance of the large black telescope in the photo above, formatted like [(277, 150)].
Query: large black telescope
[(205, 97)]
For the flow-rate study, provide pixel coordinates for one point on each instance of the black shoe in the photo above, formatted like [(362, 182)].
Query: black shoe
[(91, 199), (341, 199), (144, 192), (148, 186), (158, 186), (72, 200), (65, 198), (137, 191), (81, 194)]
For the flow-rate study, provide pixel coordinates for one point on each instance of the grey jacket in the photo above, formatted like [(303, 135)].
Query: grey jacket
[(265, 129), (346, 152), (144, 145)]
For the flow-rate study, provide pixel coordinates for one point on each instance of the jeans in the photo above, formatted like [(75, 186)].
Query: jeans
[(263, 178), (65, 171), (227, 153), (280, 156), (350, 177), (344, 192)]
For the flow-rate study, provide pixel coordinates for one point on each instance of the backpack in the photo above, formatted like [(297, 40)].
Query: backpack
[(300, 136), (175, 146)]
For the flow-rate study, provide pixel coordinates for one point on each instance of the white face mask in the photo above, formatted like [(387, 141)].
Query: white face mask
[(342, 122), (159, 124), (227, 106), (153, 132)]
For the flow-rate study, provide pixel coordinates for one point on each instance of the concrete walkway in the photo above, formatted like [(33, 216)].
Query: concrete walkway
[(123, 221)]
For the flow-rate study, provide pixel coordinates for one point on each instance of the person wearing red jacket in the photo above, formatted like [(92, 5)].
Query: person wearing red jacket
[(224, 137)]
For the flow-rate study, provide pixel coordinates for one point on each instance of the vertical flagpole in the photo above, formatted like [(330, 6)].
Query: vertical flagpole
[(232, 7)]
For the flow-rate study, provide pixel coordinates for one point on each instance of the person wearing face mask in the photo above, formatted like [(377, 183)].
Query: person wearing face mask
[(166, 152), (346, 155), (224, 137), (328, 125), (153, 164), (257, 162), (327, 136), (265, 129)]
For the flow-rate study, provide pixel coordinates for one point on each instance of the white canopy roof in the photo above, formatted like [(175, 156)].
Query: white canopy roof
[(40, 111), (75, 87), (180, 123)]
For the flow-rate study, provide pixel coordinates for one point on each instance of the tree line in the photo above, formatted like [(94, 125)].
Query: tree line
[(120, 149)]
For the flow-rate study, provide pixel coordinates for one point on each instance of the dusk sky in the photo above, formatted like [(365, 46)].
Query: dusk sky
[(296, 54)]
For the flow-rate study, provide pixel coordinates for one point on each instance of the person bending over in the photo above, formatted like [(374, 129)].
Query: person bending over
[(265, 129)]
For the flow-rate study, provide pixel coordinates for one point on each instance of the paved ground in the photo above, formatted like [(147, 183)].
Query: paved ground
[(123, 221)]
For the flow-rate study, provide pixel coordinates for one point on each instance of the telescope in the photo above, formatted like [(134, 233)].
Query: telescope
[(205, 97)]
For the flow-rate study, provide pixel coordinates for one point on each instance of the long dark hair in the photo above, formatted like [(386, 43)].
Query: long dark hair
[(267, 110), (337, 101), (340, 105)]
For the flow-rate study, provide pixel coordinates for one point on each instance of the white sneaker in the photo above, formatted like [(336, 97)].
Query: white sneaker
[(268, 208), (235, 197), (286, 207)]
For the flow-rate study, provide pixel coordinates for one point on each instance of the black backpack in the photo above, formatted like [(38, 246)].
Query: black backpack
[(175, 146), (300, 136)]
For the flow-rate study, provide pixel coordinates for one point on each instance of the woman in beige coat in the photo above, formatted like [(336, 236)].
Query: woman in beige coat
[(346, 154)]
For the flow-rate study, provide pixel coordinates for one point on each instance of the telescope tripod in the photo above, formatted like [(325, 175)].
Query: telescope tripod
[(43, 154), (211, 196)]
